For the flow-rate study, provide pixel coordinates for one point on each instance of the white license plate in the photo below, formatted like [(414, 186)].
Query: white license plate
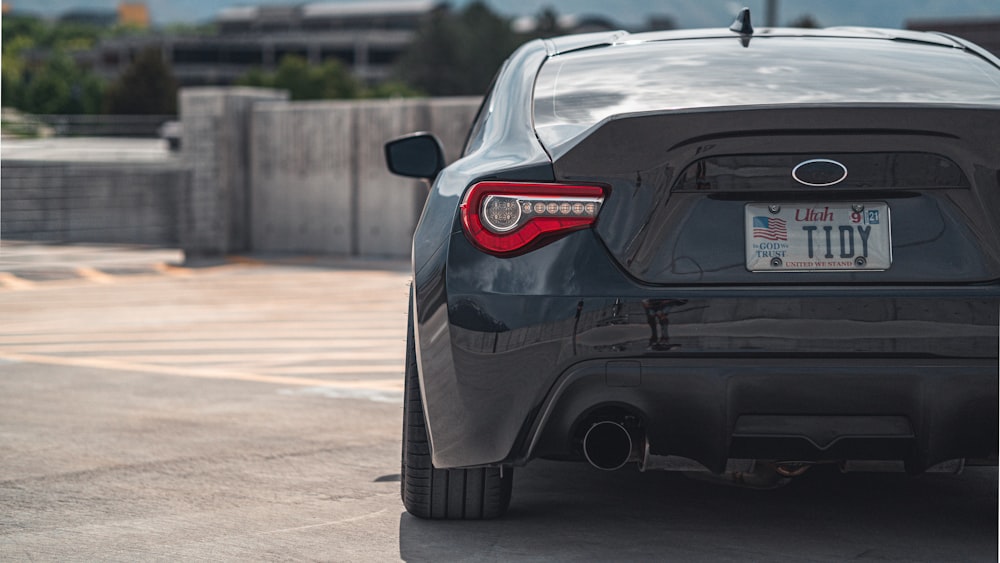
[(817, 237)]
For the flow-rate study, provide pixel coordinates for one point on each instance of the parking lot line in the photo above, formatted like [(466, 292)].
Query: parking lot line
[(395, 384), (94, 275), (10, 281)]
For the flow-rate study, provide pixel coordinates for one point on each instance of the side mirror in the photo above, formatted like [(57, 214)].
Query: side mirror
[(418, 156)]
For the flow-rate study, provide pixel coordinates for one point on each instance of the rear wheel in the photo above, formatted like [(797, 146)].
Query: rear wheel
[(428, 492)]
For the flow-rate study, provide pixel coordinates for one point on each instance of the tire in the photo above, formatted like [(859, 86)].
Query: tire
[(442, 494)]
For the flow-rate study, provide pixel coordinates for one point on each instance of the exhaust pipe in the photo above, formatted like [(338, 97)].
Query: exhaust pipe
[(609, 445), (789, 469)]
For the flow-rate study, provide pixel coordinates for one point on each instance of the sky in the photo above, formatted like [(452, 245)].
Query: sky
[(687, 13)]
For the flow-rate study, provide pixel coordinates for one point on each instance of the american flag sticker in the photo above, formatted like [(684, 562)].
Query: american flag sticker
[(769, 228)]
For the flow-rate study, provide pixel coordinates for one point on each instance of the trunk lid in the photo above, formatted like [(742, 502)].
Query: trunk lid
[(686, 185)]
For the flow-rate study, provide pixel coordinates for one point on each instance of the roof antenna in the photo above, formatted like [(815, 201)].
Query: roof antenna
[(743, 26)]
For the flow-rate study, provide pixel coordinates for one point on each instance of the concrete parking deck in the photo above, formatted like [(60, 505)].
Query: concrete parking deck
[(134, 309)]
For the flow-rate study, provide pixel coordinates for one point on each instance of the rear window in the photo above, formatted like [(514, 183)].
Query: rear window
[(580, 89)]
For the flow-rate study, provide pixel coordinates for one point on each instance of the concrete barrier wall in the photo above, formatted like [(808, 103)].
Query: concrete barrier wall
[(300, 173), (256, 173), (215, 213), (131, 203), (319, 182)]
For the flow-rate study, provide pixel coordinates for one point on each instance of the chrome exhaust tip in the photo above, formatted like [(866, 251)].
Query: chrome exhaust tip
[(608, 445)]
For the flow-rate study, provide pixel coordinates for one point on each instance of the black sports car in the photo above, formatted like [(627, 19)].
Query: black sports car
[(728, 251)]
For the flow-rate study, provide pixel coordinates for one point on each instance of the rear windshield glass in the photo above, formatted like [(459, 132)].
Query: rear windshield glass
[(577, 90)]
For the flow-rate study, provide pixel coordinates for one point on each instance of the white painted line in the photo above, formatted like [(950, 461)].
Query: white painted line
[(332, 523), (375, 396), (206, 333), (388, 385), (244, 358), (373, 346)]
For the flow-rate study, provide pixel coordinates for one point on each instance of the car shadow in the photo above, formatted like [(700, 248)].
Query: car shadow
[(565, 511)]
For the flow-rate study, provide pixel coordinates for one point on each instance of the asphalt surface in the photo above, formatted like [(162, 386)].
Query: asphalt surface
[(251, 410)]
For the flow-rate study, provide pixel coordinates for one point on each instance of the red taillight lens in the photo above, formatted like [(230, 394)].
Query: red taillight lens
[(510, 217)]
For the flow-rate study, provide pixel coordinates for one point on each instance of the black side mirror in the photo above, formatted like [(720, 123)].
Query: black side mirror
[(418, 155)]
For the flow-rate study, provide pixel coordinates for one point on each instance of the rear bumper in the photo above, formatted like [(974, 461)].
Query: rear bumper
[(513, 358), (921, 412)]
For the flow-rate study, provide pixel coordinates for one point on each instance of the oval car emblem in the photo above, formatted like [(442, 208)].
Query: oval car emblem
[(819, 172)]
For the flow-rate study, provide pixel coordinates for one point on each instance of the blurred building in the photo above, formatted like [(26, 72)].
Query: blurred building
[(90, 16), (367, 37), (550, 23), (982, 31)]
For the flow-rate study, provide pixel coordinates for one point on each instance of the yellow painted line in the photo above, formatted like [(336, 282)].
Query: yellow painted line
[(203, 373), (80, 281), (396, 368), (366, 347), (94, 275), (183, 271), (175, 271), (244, 358), (10, 281), (185, 333), (245, 260)]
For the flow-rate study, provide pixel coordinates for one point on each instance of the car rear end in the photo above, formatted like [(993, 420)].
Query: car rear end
[(786, 252)]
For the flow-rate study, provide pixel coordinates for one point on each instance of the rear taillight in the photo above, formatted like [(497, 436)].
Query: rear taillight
[(510, 217)]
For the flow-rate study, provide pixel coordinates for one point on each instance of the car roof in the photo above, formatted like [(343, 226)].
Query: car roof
[(570, 43)]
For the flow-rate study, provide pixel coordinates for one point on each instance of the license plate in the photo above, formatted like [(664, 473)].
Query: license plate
[(817, 237)]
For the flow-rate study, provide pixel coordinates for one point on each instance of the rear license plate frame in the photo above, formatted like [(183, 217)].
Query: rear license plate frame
[(818, 237)]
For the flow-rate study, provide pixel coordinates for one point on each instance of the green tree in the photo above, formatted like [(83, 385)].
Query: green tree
[(329, 80), (13, 69), (547, 23), (257, 78), (48, 90), (458, 53), (432, 63), (147, 87), (57, 84), (71, 36), (392, 89), (183, 28), (15, 27), (806, 21)]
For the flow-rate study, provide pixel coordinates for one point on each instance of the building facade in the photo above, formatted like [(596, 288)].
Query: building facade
[(366, 37)]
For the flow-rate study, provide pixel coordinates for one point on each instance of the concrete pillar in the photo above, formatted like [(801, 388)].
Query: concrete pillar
[(386, 206), (215, 210)]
